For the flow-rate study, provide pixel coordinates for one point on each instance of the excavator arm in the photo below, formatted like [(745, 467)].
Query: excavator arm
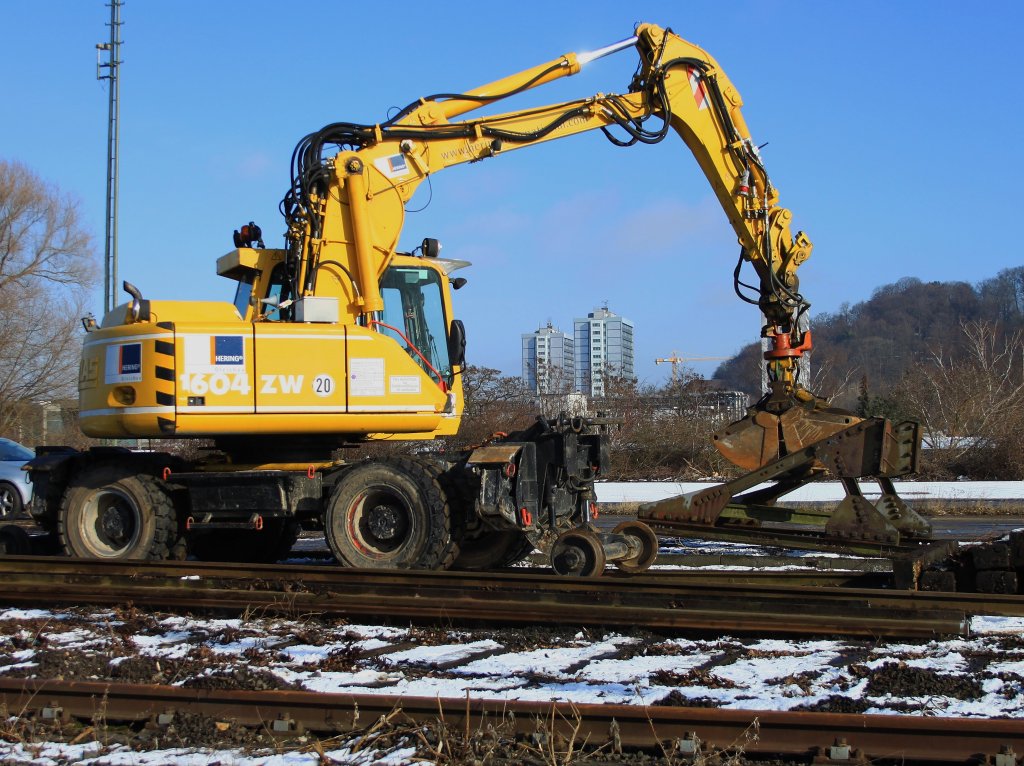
[(350, 183), (356, 198)]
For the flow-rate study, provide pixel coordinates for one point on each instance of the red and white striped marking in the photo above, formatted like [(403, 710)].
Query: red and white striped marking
[(700, 95)]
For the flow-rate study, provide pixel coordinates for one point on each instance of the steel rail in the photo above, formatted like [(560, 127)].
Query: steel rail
[(709, 730), (710, 614), (501, 598), (321, 572), (611, 589)]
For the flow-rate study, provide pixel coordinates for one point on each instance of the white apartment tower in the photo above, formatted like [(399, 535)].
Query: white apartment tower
[(548, 360), (604, 346)]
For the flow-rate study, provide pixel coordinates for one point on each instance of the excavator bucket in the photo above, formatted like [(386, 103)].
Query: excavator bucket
[(751, 442), (763, 437)]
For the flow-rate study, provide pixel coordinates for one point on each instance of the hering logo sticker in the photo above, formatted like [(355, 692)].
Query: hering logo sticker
[(129, 359), (227, 349)]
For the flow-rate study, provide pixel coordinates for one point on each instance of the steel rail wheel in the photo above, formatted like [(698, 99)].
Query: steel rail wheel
[(390, 514), (109, 514), (263, 546), (578, 553), (647, 545), (14, 541)]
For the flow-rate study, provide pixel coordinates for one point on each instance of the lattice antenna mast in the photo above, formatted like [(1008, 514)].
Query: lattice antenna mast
[(112, 50)]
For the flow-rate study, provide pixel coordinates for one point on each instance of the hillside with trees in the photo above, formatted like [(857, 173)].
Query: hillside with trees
[(948, 354)]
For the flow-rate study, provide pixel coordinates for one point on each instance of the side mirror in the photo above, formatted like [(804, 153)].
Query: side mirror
[(457, 343)]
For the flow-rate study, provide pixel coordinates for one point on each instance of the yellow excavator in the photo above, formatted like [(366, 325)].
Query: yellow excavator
[(338, 337)]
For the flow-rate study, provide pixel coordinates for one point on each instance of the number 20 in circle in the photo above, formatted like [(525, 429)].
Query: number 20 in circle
[(323, 385)]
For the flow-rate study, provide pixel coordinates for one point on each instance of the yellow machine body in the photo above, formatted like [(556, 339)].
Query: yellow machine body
[(201, 369)]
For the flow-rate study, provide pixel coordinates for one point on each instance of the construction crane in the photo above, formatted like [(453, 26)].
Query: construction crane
[(675, 360)]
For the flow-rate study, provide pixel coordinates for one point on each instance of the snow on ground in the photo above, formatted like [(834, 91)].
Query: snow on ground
[(978, 676), (95, 754), (822, 491), (982, 675)]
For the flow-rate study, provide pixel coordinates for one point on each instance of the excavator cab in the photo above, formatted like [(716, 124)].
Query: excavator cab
[(414, 316)]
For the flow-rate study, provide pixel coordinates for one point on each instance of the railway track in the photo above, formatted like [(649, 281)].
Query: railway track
[(833, 737), (670, 601)]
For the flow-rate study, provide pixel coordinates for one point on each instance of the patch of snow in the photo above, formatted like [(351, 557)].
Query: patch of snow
[(27, 614), (821, 491), (989, 625), (547, 661), (93, 754), (441, 655)]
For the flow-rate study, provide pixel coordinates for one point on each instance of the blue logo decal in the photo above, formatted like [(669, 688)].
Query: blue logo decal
[(397, 163), (228, 349), (129, 359)]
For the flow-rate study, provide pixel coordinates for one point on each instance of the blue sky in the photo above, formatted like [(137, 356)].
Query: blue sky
[(892, 129)]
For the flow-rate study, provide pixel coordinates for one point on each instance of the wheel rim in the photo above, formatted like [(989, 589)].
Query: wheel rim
[(646, 542), (6, 501), (111, 523), (578, 554), (379, 522)]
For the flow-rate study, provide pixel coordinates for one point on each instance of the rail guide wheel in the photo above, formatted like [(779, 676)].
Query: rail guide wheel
[(578, 553), (641, 537), (14, 541)]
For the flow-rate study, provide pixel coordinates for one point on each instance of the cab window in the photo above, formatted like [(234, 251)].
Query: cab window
[(243, 292), (280, 287), (414, 307)]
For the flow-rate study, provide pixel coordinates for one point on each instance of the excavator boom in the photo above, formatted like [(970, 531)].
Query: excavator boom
[(354, 200)]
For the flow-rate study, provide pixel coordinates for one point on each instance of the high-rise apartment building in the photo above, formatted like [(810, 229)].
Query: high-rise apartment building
[(604, 346), (548, 361)]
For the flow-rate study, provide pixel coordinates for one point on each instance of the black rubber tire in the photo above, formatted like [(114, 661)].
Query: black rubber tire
[(10, 501), (14, 541), (111, 514), (461, 486), (390, 514), (492, 549), (264, 546)]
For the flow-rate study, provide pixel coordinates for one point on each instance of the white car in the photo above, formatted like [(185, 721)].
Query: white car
[(15, 489)]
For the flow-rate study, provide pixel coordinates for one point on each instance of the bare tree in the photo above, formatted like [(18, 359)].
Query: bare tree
[(47, 267), (971, 404), (494, 403), (833, 384), (664, 433)]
